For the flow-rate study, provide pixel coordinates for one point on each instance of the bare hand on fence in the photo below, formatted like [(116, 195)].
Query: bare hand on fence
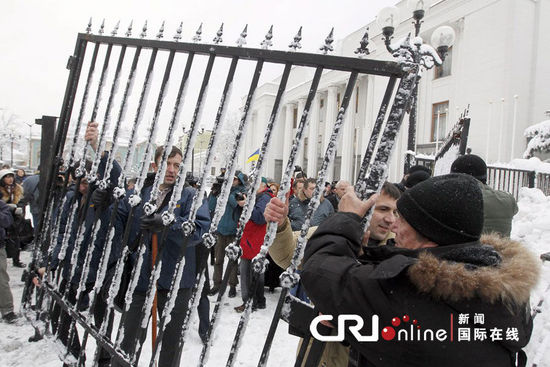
[(276, 210), (242, 202), (352, 204), (37, 276), (91, 134)]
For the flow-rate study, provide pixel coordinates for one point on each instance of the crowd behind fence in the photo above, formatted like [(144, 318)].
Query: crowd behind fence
[(509, 179)]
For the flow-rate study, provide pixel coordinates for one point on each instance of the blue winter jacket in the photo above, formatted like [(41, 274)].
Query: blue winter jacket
[(173, 239), (228, 222)]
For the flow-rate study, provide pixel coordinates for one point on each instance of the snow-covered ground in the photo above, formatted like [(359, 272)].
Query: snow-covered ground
[(531, 226)]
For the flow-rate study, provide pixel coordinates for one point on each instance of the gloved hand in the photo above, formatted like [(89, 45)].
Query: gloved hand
[(18, 212), (15, 210), (151, 223), (101, 199)]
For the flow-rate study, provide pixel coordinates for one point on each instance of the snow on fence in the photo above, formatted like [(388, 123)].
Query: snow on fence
[(94, 242)]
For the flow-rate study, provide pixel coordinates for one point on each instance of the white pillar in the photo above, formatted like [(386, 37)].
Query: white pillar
[(288, 136), (300, 157), (371, 113), (347, 140), (313, 138), (514, 123), (500, 128), (361, 115), (330, 118), (488, 142)]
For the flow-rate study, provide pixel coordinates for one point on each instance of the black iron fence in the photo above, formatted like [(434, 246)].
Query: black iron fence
[(99, 242), (508, 179)]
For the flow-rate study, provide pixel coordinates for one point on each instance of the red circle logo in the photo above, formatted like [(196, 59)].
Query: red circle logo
[(396, 321), (388, 333)]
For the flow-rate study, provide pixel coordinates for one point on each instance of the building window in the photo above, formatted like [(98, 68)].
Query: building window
[(321, 103), (445, 69), (338, 100), (295, 118), (439, 120)]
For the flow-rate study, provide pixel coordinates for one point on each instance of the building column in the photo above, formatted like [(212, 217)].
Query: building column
[(313, 138), (288, 136), (362, 122), (371, 113), (330, 118), (300, 152), (348, 140)]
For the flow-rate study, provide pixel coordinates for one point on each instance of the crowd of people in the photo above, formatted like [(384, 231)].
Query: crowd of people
[(16, 232), (423, 254)]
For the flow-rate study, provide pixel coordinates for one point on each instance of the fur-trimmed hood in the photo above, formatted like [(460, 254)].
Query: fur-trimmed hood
[(509, 279), (16, 196)]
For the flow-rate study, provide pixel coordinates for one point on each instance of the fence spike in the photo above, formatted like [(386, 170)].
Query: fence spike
[(89, 27), (177, 36), (218, 39), (266, 43), (328, 43), (297, 38), (363, 50), (102, 27), (115, 30), (144, 31), (242, 38), (161, 31), (129, 31), (197, 37)]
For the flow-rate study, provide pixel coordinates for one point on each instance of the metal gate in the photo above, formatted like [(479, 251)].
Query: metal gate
[(71, 224)]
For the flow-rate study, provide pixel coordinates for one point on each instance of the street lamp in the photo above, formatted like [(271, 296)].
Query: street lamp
[(415, 51), (29, 124), (11, 136)]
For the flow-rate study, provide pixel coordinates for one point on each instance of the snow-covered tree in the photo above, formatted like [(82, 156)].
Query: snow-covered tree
[(539, 139)]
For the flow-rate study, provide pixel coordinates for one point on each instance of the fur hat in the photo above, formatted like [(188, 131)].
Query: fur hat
[(445, 209), (472, 165), (5, 172)]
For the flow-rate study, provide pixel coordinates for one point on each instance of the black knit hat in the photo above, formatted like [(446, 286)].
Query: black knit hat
[(445, 209), (472, 165), (419, 167), (415, 178)]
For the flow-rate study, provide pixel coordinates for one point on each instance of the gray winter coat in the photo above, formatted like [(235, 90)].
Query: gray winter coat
[(297, 211), (6, 221)]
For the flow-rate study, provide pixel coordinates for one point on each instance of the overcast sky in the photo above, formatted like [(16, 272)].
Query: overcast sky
[(37, 36)]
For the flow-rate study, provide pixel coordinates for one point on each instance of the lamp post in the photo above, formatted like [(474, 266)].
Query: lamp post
[(11, 136), (416, 51), (29, 124)]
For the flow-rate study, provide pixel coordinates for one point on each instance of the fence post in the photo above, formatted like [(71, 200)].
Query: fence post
[(532, 175)]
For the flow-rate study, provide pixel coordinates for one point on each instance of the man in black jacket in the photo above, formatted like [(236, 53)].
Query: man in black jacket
[(441, 296)]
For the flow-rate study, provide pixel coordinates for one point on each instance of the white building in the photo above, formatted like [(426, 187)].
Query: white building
[(498, 66)]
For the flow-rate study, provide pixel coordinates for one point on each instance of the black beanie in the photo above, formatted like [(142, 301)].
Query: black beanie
[(445, 209), (419, 167), (415, 178), (472, 165)]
